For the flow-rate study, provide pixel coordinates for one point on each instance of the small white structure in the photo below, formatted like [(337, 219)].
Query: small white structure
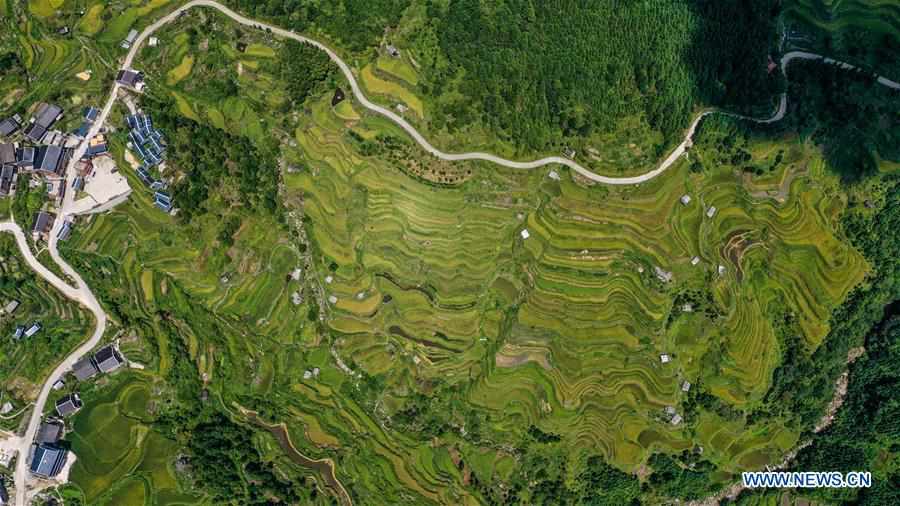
[(553, 175), (7, 407), (129, 39), (58, 385), (695, 260), (670, 410), (296, 298), (721, 269), (686, 386), (685, 199), (524, 233), (153, 41), (9, 308), (329, 279), (307, 374), (332, 299), (663, 275), (295, 275), (676, 419), (711, 211), (687, 308), (664, 358)]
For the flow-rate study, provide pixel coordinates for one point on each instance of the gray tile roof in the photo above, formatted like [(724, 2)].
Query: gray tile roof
[(85, 369), (49, 432), (68, 405), (108, 359)]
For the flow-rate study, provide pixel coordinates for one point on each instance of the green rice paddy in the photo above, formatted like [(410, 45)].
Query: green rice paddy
[(121, 460)]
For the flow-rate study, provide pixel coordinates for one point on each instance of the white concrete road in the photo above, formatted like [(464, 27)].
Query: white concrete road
[(82, 293)]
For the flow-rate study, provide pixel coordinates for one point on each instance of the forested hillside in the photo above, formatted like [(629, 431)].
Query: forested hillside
[(542, 71), (543, 74)]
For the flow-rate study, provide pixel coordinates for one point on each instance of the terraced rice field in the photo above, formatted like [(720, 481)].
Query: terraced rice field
[(564, 329), (384, 86), (863, 31), (436, 288), (836, 15), (177, 74), (25, 362), (121, 461)]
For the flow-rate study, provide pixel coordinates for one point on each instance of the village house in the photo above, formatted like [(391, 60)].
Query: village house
[(48, 460), (49, 432), (25, 158), (7, 153), (129, 39), (131, 79), (65, 231), (43, 223), (85, 369), (33, 329), (97, 146), (46, 116), (10, 125), (68, 405), (7, 179), (108, 359), (50, 160), (10, 307)]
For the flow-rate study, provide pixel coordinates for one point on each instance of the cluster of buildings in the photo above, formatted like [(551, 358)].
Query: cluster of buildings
[(37, 148), (47, 456), (147, 142), (42, 150), (22, 331)]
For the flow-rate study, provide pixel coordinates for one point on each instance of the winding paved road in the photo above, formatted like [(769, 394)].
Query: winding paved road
[(82, 293), (418, 137)]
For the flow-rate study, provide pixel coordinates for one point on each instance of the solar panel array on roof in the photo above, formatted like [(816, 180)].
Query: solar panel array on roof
[(147, 142)]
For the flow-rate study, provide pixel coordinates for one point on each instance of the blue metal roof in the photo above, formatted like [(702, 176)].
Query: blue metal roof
[(91, 113), (48, 460), (83, 129)]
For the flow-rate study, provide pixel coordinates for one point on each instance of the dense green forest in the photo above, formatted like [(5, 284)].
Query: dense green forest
[(356, 24), (214, 159), (865, 434), (542, 71), (848, 113)]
